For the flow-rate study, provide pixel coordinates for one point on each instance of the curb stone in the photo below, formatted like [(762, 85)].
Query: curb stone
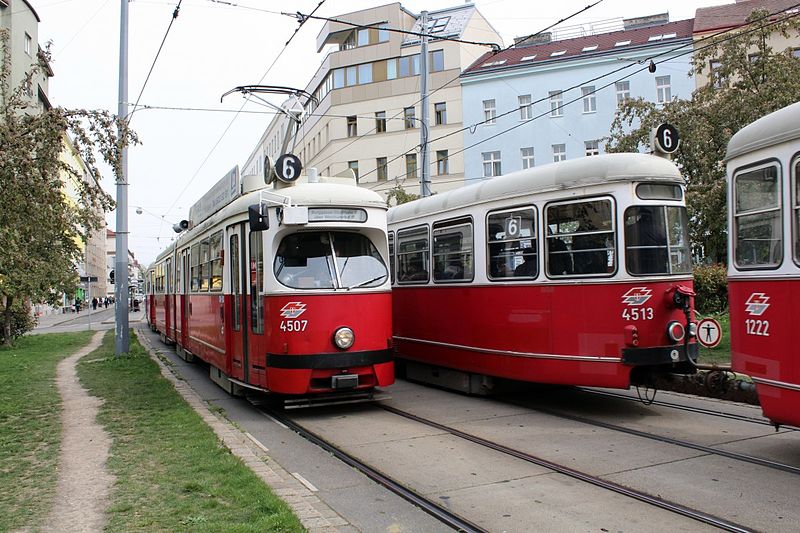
[(315, 515)]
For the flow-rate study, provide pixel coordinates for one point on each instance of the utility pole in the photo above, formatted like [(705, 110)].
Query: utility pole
[(122, 343), (425, 184)]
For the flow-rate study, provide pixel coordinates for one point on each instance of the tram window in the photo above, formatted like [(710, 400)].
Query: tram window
[(412, 256), (580, 239), (215, 262), (659, 191), (327, 260), (452, 251), (511, 240), (796, 171), (391, 255), (204, 266), (256, 281), (657, 240), (758, 241), (236, 283), (168, 277), (195, 260)]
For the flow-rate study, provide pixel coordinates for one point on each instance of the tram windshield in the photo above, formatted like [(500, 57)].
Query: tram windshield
[(657, 240), (329, 260)]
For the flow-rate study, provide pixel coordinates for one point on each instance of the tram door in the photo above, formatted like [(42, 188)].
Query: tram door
[(184, 298), (236, 318), (169, 323)]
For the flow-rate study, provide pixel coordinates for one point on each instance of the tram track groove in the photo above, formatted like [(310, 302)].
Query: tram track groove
[(443, 515), (683, 510)]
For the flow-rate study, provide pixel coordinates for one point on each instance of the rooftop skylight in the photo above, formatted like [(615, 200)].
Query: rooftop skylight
[(559, 53), (622, 43), (589, 48)]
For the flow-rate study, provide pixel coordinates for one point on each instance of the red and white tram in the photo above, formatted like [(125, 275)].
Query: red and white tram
[(763, 166), (285, 291), (577, 272)]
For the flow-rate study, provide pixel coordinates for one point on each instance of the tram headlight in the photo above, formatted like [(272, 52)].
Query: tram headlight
[(344, 338), (693, 329), (675, 331)]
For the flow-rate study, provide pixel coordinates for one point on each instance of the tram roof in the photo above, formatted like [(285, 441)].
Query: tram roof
[(583, 172), (778, 127), (301, 194)]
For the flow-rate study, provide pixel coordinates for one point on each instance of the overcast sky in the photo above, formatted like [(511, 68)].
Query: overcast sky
[(210, 49)]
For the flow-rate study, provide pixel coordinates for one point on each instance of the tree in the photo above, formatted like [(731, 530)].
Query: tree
[(399, 195), (750, 80), (40, 227)]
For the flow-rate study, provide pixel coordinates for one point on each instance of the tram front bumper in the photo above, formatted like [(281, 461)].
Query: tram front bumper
[(659, 355)]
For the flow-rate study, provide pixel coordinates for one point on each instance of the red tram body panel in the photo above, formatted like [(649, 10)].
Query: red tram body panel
[(283, 291), (575, 273), (763, 165)]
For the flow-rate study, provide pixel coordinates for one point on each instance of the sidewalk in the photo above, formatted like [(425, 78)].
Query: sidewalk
[(106, 316)]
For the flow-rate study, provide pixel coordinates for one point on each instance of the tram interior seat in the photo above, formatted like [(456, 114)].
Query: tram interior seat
[(589, 254), (559, 259)]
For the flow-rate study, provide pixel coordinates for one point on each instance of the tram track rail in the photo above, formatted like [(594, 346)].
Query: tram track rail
[(689, 408), (695, 514), (443, 515), (667, 440)]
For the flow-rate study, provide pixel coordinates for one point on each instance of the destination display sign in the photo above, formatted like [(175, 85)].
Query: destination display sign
[(221, 194)]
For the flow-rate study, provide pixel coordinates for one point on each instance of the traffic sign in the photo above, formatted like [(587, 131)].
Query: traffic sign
[(88, 279), (709, 332)]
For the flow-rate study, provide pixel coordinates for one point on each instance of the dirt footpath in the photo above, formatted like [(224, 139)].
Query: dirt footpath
[(84, 484)]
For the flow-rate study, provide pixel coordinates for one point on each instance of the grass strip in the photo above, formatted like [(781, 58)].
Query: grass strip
[(30, 425), (172, 472)]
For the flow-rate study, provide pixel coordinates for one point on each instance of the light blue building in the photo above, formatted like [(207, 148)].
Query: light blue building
[(549, 99)]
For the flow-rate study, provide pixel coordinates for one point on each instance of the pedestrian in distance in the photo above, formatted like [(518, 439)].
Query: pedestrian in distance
[(105, 302), (77, 305), (94, 304)]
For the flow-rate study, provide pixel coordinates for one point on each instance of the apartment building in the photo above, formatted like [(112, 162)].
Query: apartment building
[(21, 23)]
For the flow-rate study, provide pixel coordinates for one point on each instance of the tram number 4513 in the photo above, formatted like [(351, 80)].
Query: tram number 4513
[(293, 325), (757, 327), (637, 313)]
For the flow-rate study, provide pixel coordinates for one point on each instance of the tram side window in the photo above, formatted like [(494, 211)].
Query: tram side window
[(796, 171), (215, 262), (657, 240), (758, 239), (452, 251), (511, 240), (204, 265), (412, 255), (257, 281), (580, 238), (195, 260)]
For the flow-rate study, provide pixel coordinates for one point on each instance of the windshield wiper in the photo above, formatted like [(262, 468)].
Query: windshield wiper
[(366, 282)]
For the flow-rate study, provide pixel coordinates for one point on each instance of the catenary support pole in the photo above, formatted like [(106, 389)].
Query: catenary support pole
[(425, 183), (122, 339)]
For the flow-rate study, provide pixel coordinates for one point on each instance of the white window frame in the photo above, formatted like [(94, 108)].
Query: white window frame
[(560, 155), (489, 112), (527, 155), (492, 164), (623, 91), (28, 44), (525, 107), (556, 103), (591, 148), (663, 91), (589, 99)]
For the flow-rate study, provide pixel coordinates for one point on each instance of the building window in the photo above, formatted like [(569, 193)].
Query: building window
[(527, 157), (716, 78), (411, 165), (382, 169), (489, 112), (383, 32), (409, 117), (592, 147), (440, 113), (559, 152), (28, 43), (589, 99), (380, 122), (525, 111), (352, 126), (363, 37), (437, 61), (351, 76), (353, 165), (365, 73), (623, 92), (442, 163), (556, 100), (663, 89), (491, 164)]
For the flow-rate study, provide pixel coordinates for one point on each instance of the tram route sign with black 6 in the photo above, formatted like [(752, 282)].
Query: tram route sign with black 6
[(665, 138), (288, 168)]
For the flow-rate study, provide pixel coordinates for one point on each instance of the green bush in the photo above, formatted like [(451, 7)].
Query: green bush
[(711, 286), (21, 320)]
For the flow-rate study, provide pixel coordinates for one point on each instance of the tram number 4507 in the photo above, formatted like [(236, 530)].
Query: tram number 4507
[(293, 325), (757, 327), (637, 313)]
